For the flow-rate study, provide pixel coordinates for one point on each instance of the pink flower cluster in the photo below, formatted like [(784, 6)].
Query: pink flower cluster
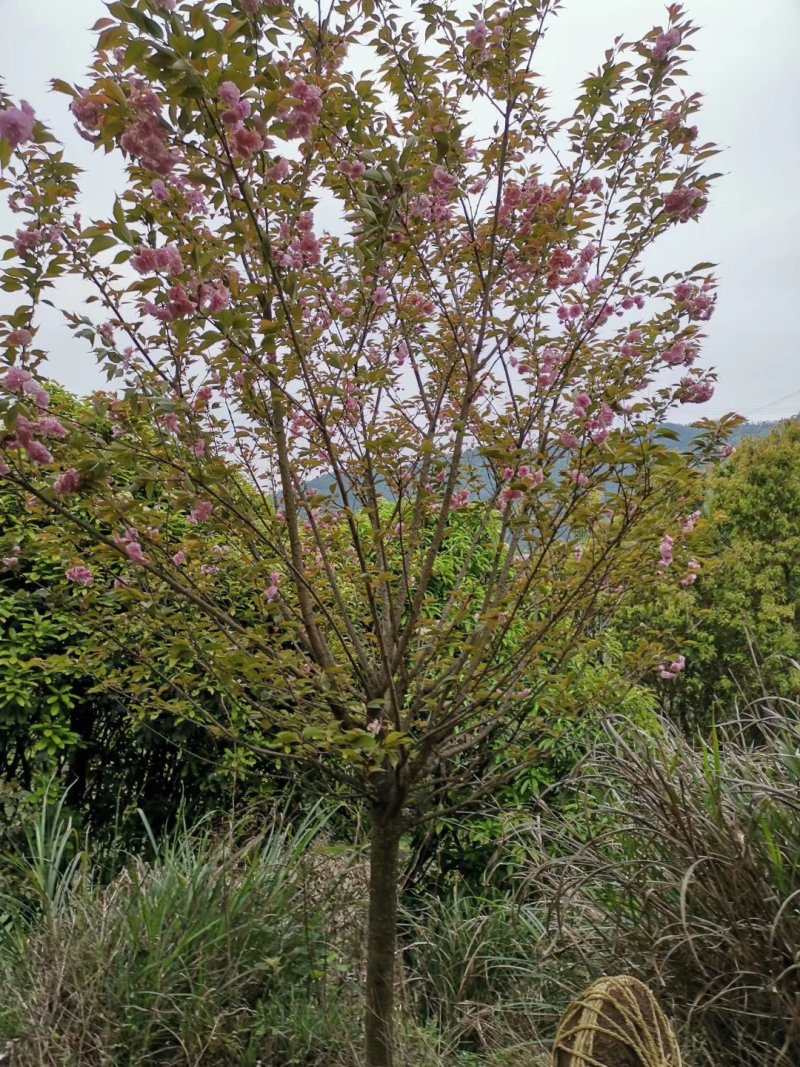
[(181, 302), (189, 190), (482, 39), (680, 353), (305, 112), (20, 338), (527, 201), (530, 479), (566, 269), (201, 512), (304, 249), (27, 241), (89, 113), (666, 552), (178, 305), (16, 124), (129, 542), (280, 170), (243, 141), (11, 561), (81, 575), (665, 42), (146, 138), (549, 367), (693, 567), (685, 202), (352, 170), (698, 302), (166, 260), (20, 381), (629, 348), (67, 483), (599, 426), (696, 390), (460, 499), (669, 672), (272, 591)]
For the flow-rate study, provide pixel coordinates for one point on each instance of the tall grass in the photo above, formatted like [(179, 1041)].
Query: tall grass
[(179, 960), (677, 862), (690, 879)]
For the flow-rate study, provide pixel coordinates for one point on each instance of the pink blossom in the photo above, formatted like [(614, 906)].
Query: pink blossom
[(459, 499), (665, 551), (669, 673), (67, 483), (160, 191), (684, 202), (16, 124), (40, 396), (26, 241), (21, 338), (279, 171), (271, 592), (569, 440), (88, 112), (4, 468), (220, 299), (167, 5), (81, 575), (201, 512), (145, 139), (579, 478), (38, 453), (51, 427), (478, 36), (698, 302), (380, 296), (229, 94), (696, 390), (679, 352), (179, 558), (135, 553), (15, 379), (352, 170), (170, 421), (245, 143), (665, 42), (166, 260), (305, 113)]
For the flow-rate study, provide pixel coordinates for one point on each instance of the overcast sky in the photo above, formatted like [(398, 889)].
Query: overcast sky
[(746, 65)]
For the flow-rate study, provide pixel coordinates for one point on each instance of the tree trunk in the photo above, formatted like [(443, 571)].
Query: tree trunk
[(385, 832)]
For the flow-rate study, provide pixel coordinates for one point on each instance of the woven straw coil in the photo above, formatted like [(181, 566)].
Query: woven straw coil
[(616, 1023)]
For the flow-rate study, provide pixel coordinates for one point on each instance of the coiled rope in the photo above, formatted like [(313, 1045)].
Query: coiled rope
[(616, 1023)]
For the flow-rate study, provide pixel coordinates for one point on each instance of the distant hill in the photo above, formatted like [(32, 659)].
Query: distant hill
[(685, 435)]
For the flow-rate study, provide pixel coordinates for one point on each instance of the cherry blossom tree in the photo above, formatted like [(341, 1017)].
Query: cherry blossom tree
[(360, 288)]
